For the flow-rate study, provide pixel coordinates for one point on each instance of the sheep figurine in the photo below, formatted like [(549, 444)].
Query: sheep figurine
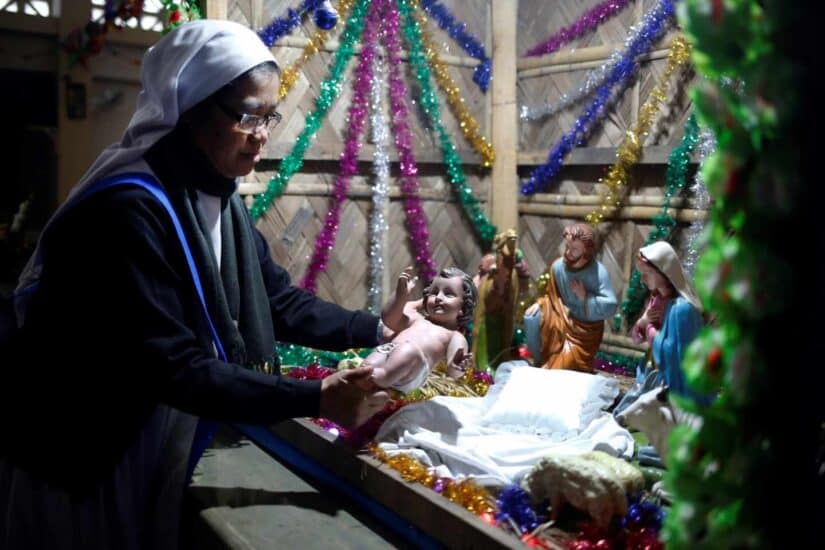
[(655, 416), (594, 482)]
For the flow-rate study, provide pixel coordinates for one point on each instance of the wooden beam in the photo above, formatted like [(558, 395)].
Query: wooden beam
[(449, 523), (645, 213), (504, 195), (656, 154), (73, 84), (132, 37), (18, 22)]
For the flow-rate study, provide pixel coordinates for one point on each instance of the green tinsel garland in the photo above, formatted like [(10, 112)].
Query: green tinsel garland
[(293, 354), (663, 222), (429, 101), (330, 90)]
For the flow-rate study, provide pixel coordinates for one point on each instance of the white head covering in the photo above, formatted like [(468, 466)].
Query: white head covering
[(662, 255), (185, 67)]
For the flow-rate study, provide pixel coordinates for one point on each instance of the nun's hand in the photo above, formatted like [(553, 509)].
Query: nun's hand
[(349, 398)]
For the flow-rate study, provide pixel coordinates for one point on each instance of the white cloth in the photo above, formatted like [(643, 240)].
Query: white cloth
[(447, 434), (138, 506)]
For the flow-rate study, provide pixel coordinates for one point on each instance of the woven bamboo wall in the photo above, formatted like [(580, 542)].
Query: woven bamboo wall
[(451, 239), (451, 236)]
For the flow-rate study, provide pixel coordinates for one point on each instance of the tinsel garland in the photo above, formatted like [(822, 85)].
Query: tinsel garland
[(588, 22), (469, 43), (615, 363), (281, 26), (295, 355), (89, 39), (330, 89), (691, 236), (415, 219), (380, 186), (179, 12), (357, 117), (630, 150), (465, 493), (429, 101), (618, 77), (289, 76), (597, 76), (663, 222), (516, 509), (638, 530), (468, 124)]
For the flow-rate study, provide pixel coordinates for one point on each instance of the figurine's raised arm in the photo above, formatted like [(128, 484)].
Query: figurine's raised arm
[(393, 314)]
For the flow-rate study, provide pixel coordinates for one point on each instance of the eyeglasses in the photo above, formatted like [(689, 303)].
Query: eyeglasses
[(249, 124)]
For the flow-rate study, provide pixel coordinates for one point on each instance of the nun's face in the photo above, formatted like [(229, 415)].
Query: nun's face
[(233, 151)]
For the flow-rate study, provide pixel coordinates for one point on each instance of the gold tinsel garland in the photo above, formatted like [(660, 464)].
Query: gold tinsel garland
[(289, 76), (465, 493), (630, 149), (468, 385), (469, 126)]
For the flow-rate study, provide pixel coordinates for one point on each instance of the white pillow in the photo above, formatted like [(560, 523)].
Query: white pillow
[(549, 403)]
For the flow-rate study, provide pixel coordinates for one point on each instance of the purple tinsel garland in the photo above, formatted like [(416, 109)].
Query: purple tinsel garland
[(399, 116), (591, 19), (349, 157)]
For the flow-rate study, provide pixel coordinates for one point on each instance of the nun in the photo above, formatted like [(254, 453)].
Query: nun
[(151, 308)]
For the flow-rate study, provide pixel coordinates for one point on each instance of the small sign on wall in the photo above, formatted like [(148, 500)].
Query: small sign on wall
[(75, 99)]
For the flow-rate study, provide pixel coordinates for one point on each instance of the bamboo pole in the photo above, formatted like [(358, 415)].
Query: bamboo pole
[(358, 191), (623, 341), (256, 16), (215, 9), (621, 350), (333, 45), (591, 200), (504, 196), (683, 215), (578, 55), (627, 265), (588, 156), (567, 67)]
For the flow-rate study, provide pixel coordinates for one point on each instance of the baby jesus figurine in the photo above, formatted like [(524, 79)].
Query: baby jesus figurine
[(427, 331)]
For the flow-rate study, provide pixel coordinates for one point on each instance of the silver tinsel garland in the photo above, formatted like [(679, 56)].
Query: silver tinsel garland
[(380, 189), (692, 247)]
